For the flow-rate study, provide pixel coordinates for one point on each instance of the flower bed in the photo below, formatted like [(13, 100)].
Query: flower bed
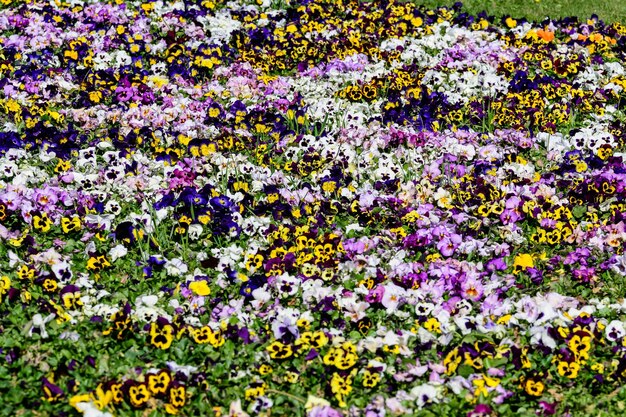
[(321, 208)]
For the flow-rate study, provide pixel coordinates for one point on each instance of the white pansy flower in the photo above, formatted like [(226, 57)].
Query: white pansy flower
[(176, 267), (117, 252)]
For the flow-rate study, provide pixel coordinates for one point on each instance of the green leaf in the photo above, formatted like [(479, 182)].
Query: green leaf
[(494, 363), (579, 211), (465, 370), (103, 364)]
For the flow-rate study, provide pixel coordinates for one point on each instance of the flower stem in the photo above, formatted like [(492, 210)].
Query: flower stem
[(295, 397)]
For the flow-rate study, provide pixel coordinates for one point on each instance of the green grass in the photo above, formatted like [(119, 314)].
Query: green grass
[(607, 10)]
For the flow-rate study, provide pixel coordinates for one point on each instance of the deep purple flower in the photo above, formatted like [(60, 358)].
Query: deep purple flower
[(168, 200), (584, 273), (311, 355), (418, 239), (51, 391), (190, 197), (496, 264), (244, 334), (481, 410), (546, 408), (536, 275), (375, 295)]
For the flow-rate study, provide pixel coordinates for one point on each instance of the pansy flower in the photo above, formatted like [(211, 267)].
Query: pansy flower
[(138, 393), (122, 323), (341, 387), (97, 263), (278, 350), (5, 285), (41, 222), (177, 395), (158, 382), (127, 233), (371, 378), (522, 262), (533, 387), (71, 297), (568, 369), (161, 333), (51, 391)]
